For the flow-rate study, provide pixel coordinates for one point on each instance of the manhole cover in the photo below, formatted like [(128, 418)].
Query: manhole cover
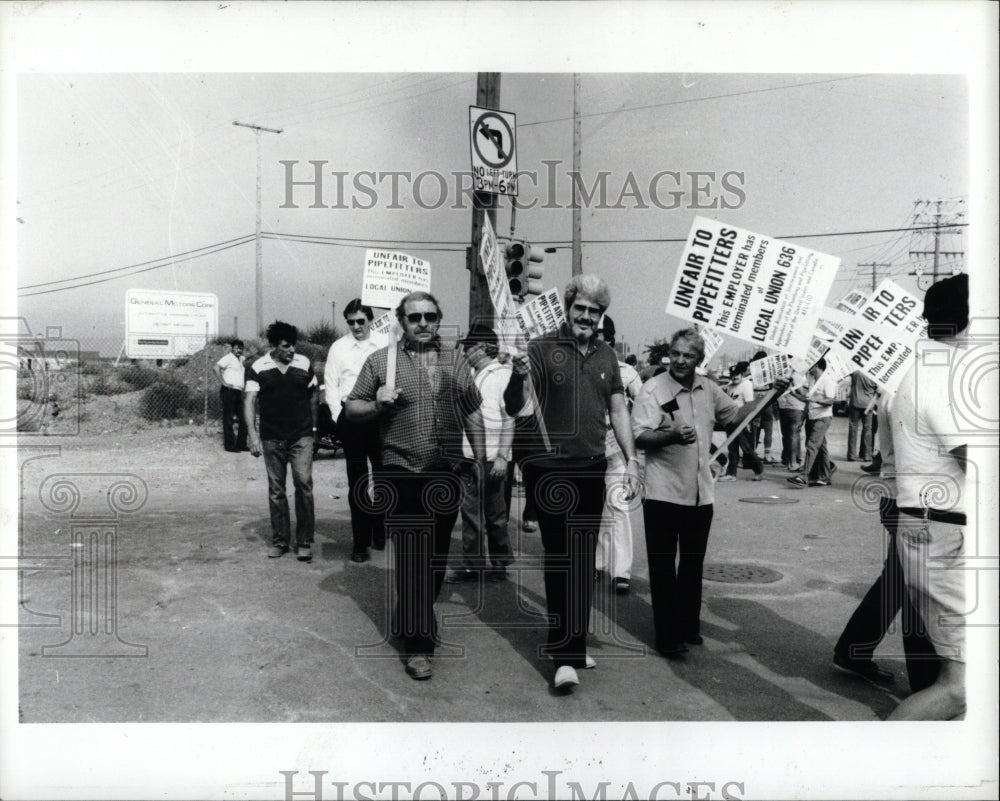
[(741, 574), (769, 499)]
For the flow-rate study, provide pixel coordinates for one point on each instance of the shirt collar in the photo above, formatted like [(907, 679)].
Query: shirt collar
[(676, 387)]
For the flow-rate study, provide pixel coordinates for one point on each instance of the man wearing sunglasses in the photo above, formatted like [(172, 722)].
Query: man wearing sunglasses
[(579, 385), (361, 447), (420, 416)]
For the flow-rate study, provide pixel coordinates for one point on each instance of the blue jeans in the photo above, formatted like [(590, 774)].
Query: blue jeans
[(278, 455)]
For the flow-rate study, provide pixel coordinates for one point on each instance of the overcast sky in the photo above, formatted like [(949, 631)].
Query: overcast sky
[(123, 169)]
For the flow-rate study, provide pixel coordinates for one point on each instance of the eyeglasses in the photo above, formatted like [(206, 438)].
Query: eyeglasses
[(592, 311), (416, 317), (359, 321)]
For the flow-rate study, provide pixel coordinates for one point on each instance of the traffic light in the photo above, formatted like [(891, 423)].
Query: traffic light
[(524, 275)]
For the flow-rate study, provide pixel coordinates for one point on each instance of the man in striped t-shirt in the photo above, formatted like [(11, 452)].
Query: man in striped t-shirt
[(285, 382)]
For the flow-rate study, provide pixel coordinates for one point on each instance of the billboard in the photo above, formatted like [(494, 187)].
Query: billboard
[(161, 324)]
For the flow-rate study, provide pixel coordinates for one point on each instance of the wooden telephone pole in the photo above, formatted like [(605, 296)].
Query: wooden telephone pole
[(483, 204), (259, 269)]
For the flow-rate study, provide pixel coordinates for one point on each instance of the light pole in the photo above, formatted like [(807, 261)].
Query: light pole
[(259, 271)]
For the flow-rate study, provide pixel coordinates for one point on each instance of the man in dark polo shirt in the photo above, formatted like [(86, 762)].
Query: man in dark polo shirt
[(286, 385), (420, 422), (579, 386)]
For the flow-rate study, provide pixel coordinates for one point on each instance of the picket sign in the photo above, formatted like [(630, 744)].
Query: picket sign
[(390, 366), (758, 407), (753, 287), (506, 310)]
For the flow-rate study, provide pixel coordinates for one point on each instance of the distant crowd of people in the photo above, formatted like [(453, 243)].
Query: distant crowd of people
[(432, 433)]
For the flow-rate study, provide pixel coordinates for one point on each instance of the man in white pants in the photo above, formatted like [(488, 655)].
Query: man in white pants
[(614, 544)]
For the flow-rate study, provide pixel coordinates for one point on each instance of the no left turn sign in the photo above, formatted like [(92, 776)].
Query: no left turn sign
[(493, 145)]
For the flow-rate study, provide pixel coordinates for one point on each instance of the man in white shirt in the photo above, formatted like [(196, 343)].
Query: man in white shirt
[(229, 371), (484, 510), (741, 391), (791, 415), (361, 443), (930, 450), (819, 396)]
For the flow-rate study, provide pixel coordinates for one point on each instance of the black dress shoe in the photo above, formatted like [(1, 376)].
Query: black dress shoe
[(695, 639), (671, 650), (378, 545), (360, 556), (865, 668)]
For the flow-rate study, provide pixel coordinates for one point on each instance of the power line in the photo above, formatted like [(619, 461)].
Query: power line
[(440, 246), (563, 243), (169, 259), (364, 244), (137, 272), (357, 239), (698, 99)]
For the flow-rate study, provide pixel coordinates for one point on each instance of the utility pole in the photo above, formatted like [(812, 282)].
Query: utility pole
[(874, 267), (941, 216), (259, 271), (483, 204), (577, 263)]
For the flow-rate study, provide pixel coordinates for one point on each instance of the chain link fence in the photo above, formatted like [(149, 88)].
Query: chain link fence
[(64, 389)]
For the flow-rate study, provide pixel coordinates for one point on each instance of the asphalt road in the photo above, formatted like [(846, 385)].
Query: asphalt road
[(185, 619)]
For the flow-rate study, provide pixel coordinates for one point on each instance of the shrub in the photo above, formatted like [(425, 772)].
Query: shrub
[(165, 399), (108, 385), (320, 334), (314, 353), (28, 389), (91, 368), (196, 405), (138, 376)]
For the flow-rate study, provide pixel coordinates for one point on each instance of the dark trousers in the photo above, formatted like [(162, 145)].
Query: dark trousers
[(859, 426), (232, 406), (524, 432), (887, 597), (423, 511), (361, 447), (790, 421), (569, 500), (673, 530), (744, 442)]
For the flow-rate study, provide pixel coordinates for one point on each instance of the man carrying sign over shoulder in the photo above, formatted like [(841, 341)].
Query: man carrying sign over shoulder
[(578, 383), (420, 422), (673, 419), (343, 363)]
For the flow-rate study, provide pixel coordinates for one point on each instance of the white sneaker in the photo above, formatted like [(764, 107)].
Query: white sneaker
[(565, 678), (589, 662)]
